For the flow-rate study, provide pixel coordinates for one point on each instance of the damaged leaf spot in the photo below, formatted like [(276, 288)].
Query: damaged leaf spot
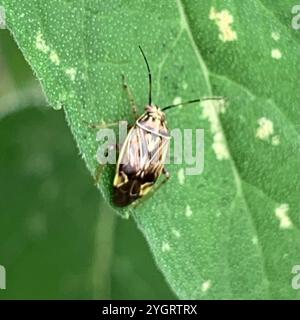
[(165, 247), (276, 54), (188, 211), (206, 285), (71, 73), (54, 57), (181, 176), (265, 129), (275, 36), (224, 21), (211, 112), (40, 43), (281, 214)]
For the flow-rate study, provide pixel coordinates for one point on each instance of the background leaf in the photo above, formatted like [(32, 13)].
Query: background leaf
[(18, 86), (232, 232)]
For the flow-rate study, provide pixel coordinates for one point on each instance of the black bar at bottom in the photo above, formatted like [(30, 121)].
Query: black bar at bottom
[(133, 309)]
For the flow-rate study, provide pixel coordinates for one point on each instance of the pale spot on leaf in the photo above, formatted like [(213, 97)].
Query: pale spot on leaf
[(275, 35), (206, 285), (176, 233), (165, 247), (219, 147), (224, 21), (54, 57), (276, 54), (188, 211), (211, 111), (281, 213), (184, 85), (181, 176), (177, 100), (276, 140), (71, 72), (254, 240), (265, 129), (40, 43)]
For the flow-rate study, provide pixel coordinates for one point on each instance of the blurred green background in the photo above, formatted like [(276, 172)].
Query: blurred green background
[(58, 239)]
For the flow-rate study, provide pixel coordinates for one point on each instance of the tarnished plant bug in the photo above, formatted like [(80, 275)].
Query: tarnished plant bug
[(143, 153)]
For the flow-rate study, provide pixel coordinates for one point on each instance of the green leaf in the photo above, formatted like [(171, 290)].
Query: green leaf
[(232, 232)]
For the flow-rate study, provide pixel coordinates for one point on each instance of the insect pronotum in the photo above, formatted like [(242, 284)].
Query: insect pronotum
[(142, 156)]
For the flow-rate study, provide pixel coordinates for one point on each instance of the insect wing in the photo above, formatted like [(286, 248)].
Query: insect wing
[(141, 160)]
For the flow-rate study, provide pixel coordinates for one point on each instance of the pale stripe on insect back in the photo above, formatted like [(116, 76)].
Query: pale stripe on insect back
[(153, 132)]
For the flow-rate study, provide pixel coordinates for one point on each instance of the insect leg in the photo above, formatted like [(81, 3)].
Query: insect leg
[(166, 173), (101, 125), (159, 184), (130, 97), (166, 178)]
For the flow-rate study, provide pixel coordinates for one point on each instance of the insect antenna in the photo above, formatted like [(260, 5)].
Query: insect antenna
[(192, 101), (149, 75)]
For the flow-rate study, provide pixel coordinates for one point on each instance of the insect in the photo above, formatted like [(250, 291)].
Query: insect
[(143, 153)]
